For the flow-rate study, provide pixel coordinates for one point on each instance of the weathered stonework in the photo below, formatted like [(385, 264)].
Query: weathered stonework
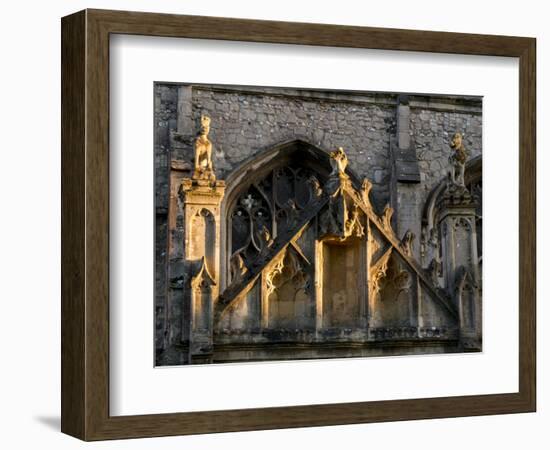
[(271, 244)]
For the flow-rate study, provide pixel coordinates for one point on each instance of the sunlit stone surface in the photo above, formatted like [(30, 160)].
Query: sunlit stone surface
[(298, 224)]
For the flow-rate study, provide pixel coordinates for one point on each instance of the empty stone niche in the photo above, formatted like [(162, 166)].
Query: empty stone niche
[(343, 284), (202, 240)]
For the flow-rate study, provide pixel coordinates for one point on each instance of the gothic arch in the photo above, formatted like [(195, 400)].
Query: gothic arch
[(472, 175), (202, 237), (472, 180), (295, 162)]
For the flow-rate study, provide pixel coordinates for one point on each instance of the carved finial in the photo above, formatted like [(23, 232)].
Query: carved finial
[(353, 225), (365, 191), (203, 153), (407, 242), (457, 159), (339, 162), (378, 272), (386, 219)]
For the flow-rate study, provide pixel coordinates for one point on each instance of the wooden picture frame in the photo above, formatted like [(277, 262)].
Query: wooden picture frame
[(85, 224)]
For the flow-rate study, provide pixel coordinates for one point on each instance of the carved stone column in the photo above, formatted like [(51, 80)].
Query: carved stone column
[(202, 196), (461, 276), (201, 203)]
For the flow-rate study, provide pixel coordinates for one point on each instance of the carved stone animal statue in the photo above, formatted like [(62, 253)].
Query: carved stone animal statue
[(458, 159), (203, 152)]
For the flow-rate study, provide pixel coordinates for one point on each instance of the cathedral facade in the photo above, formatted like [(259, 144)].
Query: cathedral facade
[(303, 224)]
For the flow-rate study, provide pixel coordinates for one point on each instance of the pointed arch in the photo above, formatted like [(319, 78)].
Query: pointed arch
[(472, 175), (264, 193), (277, 155), (202, 237), (472, 180)]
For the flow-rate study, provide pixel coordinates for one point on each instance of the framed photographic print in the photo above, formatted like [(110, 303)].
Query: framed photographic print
[(279, 250), (271, 224)]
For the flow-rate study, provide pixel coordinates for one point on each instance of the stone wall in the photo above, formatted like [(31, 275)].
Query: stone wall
[(246, 123), (431, 132), (248, 120)]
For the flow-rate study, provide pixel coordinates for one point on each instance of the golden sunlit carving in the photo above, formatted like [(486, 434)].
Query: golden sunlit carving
[(203, 153)]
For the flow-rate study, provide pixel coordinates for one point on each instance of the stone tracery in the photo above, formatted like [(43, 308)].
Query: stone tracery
[(268, 208), (356, 265), (270, 213)]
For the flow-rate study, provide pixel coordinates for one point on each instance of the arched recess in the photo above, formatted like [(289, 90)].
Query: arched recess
[(473, 181), (264, 193), (202, 237)]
